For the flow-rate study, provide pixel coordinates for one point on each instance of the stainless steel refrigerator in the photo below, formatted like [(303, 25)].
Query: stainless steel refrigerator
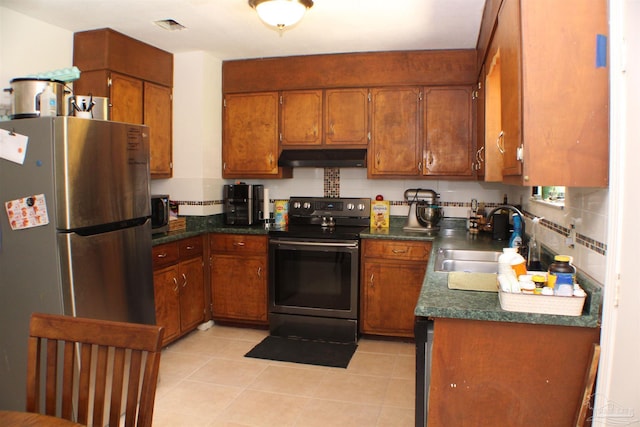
[(89, 255)]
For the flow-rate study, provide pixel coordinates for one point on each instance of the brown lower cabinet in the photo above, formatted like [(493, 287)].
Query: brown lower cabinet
[(392, 272), (486, 373), (238, 264), (178, 280)]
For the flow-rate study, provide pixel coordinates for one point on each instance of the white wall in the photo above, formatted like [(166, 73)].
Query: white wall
[(29, 46), (197, 133)]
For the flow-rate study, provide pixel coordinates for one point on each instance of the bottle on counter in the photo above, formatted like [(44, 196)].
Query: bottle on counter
[(562, 275), (48, 103), (516, 237), (511, 260)]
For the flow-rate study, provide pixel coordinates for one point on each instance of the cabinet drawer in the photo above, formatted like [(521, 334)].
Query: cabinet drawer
[(164, 255), (238, 243), (191, 247), (397, 249)]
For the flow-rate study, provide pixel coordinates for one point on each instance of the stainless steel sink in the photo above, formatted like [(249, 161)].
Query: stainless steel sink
[(467, 260)]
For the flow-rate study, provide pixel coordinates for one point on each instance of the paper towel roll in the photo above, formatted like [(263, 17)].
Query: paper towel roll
[(265, 205)]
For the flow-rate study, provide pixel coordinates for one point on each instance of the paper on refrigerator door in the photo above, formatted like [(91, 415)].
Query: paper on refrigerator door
[(13, 146), (27, 212)]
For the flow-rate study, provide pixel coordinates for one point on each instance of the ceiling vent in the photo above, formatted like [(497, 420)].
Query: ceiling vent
[(170, 25)]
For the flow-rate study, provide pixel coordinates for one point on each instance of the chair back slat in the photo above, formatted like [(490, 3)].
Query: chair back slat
[(84, 383), (33, 374), (100, 384), (93, 370), (51, 377), (67, 380), (134, 387), (118, 380)]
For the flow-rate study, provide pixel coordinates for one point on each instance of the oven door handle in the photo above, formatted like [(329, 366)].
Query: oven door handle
[(317, 244)]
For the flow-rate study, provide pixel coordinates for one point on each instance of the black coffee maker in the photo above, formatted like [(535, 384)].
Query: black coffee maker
[(243, 203)]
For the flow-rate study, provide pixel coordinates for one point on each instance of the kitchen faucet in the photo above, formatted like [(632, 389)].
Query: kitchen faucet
[(511, 208)]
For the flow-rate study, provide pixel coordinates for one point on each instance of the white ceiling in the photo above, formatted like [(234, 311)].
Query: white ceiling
[(230, 29)]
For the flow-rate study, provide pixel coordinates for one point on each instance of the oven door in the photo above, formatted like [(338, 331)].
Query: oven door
[(314, 278)]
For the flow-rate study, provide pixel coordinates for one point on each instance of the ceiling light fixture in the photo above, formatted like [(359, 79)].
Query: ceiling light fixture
[(281, 13)]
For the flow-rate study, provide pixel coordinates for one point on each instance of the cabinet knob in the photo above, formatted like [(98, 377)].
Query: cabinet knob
[(175, 282), (238, 243), (162, 255), (184, 278)]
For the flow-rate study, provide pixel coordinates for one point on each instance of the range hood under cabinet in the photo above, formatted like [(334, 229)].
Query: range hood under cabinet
[(333, 158)]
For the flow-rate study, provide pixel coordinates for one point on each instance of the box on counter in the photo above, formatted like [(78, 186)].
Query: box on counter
[(178, 224), (379, 214)]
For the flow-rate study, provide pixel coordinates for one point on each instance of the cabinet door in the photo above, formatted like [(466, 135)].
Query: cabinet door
[(191, 293), (395, 132), (239, 287), (388, 303), (158, 116), (511, 86), (346, 116), (126, 99), (448, 127), (493, 142), (565, 129), (301, 117), (478, 156), (167, 301), (250, 141)]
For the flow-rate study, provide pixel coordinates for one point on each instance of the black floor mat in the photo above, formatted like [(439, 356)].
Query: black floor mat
[(308, 352)]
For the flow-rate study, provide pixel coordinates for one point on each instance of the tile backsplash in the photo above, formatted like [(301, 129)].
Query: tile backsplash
[(578, 230)]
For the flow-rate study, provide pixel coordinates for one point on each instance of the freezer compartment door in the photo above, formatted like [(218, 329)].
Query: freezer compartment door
[(101, 172), (109, 275)]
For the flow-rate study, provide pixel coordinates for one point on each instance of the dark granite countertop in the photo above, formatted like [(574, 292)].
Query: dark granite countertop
[(197, 225), (436, 299)]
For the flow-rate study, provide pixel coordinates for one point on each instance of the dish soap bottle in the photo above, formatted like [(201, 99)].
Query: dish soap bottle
[(516, 237)]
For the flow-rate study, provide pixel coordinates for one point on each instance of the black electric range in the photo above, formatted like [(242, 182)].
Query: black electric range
[(325, 218), (314, 269)]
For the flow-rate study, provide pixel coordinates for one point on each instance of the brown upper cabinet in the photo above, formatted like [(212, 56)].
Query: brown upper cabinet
[(326, 101), (301, 117), (448, 130), (336, 117), (546, 97), (479, 108), (250, 136), (346, 113), (138, 80), (421, 132), (395, 132)]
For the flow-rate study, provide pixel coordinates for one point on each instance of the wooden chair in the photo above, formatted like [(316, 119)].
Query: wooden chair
[(91, 368)]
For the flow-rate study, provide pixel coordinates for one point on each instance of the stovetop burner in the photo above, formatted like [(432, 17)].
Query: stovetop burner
[(326, 218)]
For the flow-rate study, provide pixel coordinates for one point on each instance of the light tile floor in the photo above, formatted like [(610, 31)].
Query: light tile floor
[(205, 380)]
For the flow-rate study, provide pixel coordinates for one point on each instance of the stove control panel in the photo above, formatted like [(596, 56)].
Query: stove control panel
[(338, 207)]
